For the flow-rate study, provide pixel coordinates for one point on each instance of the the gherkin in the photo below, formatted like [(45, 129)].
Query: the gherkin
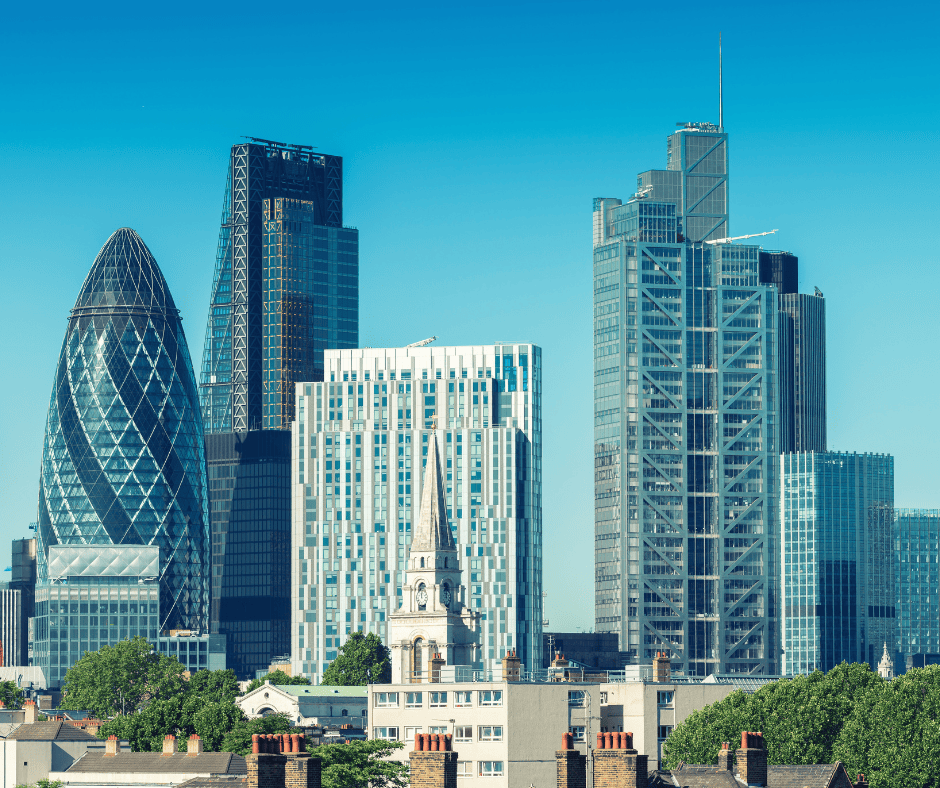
[(124, 456)]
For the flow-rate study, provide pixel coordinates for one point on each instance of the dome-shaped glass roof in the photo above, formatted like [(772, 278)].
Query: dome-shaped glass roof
[(125, 274)]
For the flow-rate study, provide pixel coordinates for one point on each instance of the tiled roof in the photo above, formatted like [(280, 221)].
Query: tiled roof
[(51, 731), (694, 777), (215, 782), (155, 762), (822, 775)]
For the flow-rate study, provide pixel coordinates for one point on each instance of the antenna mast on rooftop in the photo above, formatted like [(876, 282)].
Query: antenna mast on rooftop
[(721, 98)]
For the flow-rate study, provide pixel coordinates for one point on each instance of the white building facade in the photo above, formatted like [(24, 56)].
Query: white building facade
[(359, 443)]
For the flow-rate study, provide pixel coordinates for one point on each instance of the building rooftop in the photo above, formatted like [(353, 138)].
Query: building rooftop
[(821, 775), (304, 690), (51, 731), (215, 763)]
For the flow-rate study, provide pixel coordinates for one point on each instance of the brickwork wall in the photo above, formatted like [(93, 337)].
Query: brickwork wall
[(432, 769), (571, 769), (270, 770), (620, 769), (752, 765)]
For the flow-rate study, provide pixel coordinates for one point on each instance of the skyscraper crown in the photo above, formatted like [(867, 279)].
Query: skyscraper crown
[(124, 274)]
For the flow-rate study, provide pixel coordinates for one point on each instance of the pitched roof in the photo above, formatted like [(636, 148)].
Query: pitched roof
[(51, 731), (157, 762), (215, 782), (432, 531), (820, 775)]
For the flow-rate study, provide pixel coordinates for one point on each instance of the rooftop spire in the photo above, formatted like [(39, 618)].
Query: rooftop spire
[(433, 530)]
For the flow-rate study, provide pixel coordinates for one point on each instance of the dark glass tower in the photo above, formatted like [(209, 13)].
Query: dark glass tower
[(124, 457), (802, 349), (249, 484), (286, 284)]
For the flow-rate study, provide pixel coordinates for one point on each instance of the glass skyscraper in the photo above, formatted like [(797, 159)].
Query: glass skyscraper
[(359, 443), (124, 459), (286, 287), (286, 284), (249, 486), (917, 551), (685, 435), (836, 554)]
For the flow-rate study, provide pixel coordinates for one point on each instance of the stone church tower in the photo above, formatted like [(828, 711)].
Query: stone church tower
[(434, 617)]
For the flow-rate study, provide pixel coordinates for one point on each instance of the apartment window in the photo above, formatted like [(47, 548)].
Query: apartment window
[(463, 733), (410, 733), (414, 700), (664, 731), (576, 698), (577, 731), (386, 699), (491, 697), (664, 698), (491, 769), (490, 733), (462, 698), (437, 699), (603, 697), (465, 768), (385, 733), (437, 729)]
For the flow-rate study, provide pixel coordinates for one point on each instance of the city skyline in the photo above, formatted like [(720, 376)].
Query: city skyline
[(505, 265)]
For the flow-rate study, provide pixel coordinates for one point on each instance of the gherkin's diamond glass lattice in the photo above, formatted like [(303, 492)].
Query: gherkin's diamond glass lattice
[(124, 455)]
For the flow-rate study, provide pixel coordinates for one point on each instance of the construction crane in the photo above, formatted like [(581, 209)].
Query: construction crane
[(740, 237), (422, 343)]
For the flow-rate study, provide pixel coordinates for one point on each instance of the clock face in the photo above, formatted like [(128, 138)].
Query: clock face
[(445, 596), (422, 596)]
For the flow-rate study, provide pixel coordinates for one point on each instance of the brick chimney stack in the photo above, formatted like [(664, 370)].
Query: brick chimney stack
[(31, 711), (662, 669), (617, 764), (570, 765), (112, 746), (752, 759), (194, 745), (861, 781), (512, 666), (280, 761), (169, 745), (726, 757), (560, 661), (433, 762)]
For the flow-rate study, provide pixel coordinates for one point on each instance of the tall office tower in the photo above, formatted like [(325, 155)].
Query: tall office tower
[(802, 349), (360, 441), (23, 581), (917, 580), (838, 587), (685, 438), (249, 484), (124, 459), (12, 633), (286, 284)]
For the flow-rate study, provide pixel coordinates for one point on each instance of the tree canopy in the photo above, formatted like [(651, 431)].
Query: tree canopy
[(238, 738), (120, 679), (204, 705), (887, 730), (276, 677), (363, 659), (361, 764), (11, 695)]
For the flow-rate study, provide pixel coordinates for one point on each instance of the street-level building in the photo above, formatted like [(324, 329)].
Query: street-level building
[(359, 445), (307, 705)]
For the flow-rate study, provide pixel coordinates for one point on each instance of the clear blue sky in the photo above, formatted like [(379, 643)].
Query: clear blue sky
[(474, 138)]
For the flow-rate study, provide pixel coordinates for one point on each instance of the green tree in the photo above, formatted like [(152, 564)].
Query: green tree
[(363, 659), (238, 739), (43, 783), (214, 685), (801, 718), (11, 695), (361, 764), (277, 677), (214, 721), (120, 679), (893, 734)]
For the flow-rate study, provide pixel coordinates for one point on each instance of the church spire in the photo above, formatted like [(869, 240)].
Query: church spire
[(433, 531), (886, 666)]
